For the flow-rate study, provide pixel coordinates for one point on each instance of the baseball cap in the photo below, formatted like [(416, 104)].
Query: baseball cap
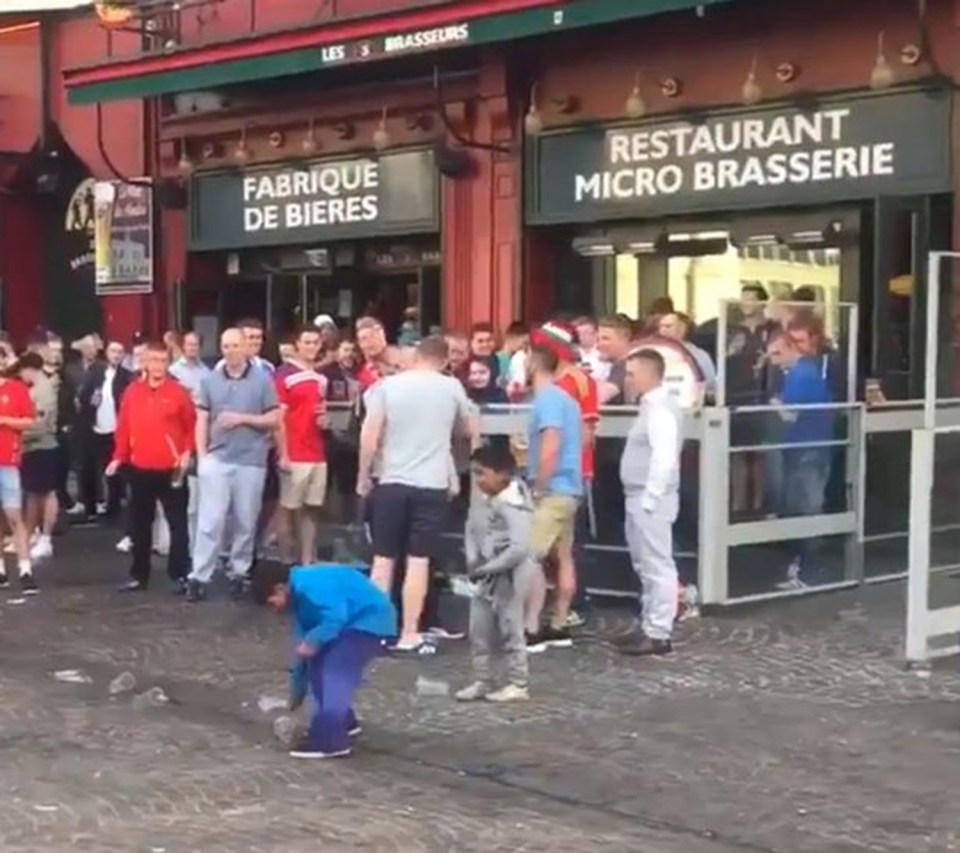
[(324, 320)]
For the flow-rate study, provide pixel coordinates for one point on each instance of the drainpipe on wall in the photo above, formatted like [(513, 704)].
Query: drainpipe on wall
[(46, 95)]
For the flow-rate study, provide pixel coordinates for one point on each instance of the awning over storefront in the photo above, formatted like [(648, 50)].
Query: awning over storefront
[(266, 56), (12, 6)]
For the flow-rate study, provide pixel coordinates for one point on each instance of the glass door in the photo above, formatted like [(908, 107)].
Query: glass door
[(286, 306)]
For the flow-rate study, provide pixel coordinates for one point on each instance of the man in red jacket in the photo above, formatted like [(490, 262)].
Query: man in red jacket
[(155, 439)]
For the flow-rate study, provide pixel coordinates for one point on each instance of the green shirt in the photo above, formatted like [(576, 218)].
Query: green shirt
[(43, 434)]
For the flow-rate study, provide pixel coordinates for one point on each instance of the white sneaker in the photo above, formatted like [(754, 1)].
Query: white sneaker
[(510, 693), (473, 692), (793, 581), (77, 509), (101, 509), (438, 633), (125, 545), (42, 549), (309, 753)]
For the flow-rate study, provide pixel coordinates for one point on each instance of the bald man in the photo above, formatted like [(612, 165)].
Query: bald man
[(237, 410)]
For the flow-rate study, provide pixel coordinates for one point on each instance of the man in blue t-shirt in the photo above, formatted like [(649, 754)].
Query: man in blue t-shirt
[(806, 466), (555, 471)]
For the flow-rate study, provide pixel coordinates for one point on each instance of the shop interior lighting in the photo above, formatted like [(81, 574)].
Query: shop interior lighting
[(882, 76), (693, 245), (635, 107), (761, 240), (381, 136), (309, 145), (752, 92), (642, 247), (533, 121), (590, 247)]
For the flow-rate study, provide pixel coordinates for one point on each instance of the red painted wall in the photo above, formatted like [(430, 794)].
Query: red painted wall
[(21, 267), (76, 42)]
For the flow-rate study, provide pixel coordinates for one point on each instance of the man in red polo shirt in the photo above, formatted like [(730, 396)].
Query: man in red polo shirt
[(302, 391), (562, 339), (16, 415)]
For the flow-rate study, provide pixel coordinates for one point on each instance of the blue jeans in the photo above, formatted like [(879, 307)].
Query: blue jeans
[(335, 673), (805, 475)]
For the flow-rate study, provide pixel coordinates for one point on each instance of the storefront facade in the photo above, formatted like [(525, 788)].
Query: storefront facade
[(845, 197)]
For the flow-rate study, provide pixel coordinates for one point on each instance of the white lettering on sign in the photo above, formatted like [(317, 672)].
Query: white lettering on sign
[(734, 154), (426, 39), (325, 194), (333, 53)]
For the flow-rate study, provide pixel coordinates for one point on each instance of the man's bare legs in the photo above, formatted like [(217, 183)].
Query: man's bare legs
[(381, 573), (414, 595), (536, 600), (566, 588), (21, 540), (306, 521)]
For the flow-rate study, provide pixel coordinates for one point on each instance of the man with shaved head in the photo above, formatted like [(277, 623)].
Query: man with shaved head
[(237, 410)]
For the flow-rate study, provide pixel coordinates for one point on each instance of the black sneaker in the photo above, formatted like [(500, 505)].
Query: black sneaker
[(238, 588), (535, 643), (4, 581), (556, 638), (643, 646), (196, 591), (28, 585), (179, 587)]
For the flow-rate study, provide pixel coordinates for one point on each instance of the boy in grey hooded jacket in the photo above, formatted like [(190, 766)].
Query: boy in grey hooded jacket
[(500, 564)]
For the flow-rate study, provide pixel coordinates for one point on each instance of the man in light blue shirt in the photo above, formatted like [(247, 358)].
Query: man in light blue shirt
[(555, 471), (189, 370)]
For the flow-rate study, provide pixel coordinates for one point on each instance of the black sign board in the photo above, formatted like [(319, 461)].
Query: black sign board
[(315, 202), (890, 144)]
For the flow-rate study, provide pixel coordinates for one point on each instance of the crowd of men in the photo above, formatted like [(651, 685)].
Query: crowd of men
[(218, 458)]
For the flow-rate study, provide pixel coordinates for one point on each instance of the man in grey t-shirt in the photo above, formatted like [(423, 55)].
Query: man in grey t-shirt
[(236, 412), (411, 420)]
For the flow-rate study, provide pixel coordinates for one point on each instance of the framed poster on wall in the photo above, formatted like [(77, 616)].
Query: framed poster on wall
[(123, 237)]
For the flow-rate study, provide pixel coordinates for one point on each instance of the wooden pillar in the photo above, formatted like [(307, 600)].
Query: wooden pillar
[(481, 212)]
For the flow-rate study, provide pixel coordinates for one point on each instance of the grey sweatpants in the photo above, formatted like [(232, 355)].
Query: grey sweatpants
[(497, 641), (649, 538)]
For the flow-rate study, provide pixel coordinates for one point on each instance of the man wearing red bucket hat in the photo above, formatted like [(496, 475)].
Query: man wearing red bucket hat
[(560, 338)]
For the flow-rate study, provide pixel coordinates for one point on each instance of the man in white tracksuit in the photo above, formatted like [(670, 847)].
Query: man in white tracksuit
[(650, 472)]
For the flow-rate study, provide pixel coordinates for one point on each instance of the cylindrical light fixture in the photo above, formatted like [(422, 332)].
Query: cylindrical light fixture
[(635, 107), (309, 144), (241, 154), (533, 121), (184, 164), (381, 136), (882, 76), (752, 92)]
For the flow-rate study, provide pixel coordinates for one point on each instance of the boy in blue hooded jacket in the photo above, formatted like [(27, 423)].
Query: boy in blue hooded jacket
[(340, 620)]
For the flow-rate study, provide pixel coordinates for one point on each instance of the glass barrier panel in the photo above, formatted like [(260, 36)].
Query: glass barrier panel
[(766, 568), (789, 461)]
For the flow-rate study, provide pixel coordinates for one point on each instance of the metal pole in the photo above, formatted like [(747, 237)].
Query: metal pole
[(933, 338), (918, 573), (852, 352), (721, 395)]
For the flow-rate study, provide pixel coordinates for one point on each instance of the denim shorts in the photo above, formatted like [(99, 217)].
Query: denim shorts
[(11, 494)]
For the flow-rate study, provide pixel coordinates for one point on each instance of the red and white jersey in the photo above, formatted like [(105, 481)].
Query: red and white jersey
[(302, 392)]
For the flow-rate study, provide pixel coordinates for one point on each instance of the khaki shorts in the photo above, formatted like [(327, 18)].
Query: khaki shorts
[(305, 484), (552, 525)]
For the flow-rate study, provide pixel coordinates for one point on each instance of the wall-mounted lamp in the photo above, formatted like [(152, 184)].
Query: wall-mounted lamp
[(882, 75), (671, 87), (184, 164), (752, 92), (635, 107), (309, 144), (787, 72), (533, 121), (910, 55), (241, 154), (276, 139), (345, 130), (211, 150), (419, 121), (566, 104), (381, 136)]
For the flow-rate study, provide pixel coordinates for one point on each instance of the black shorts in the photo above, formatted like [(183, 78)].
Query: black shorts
[(38, 471), (408, 520)]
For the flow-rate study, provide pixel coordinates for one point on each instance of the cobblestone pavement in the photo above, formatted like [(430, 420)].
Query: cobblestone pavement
[(792, 727)]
